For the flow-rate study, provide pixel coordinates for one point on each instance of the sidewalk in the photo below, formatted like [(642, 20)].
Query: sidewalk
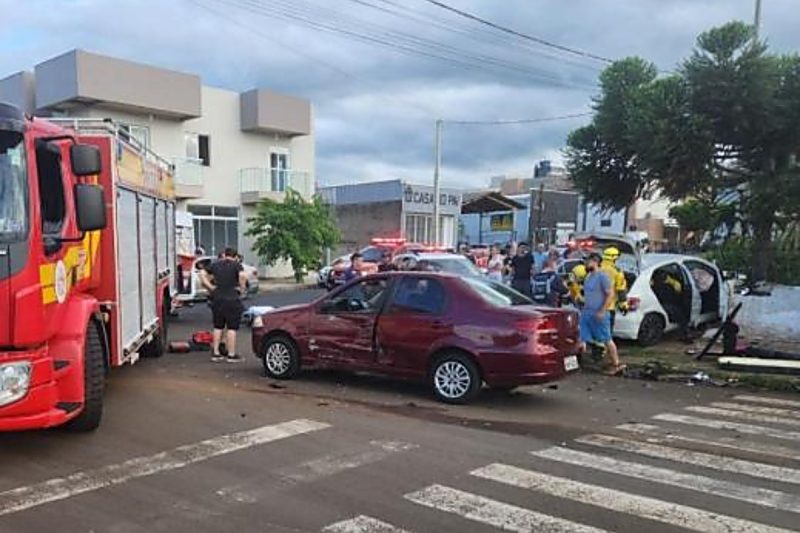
[(669, 361), (268, 285)]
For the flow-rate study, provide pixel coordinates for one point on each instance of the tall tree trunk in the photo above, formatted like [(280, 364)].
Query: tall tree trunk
[(762, 247)]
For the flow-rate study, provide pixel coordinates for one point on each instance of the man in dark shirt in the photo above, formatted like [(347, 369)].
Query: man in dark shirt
[(354, 270), (522, 267), (225, 281)]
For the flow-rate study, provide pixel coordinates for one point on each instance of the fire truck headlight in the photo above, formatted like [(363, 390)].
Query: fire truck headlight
[(14, 381)]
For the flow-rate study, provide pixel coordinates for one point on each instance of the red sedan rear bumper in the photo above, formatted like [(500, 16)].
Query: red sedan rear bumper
[(514, 369)]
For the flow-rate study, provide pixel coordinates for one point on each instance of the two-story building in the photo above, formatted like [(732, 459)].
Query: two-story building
[(230, 149)]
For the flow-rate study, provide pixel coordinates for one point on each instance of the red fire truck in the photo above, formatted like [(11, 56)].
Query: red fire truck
[(87, 253)]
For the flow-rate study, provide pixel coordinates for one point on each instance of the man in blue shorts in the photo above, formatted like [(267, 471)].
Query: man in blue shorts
[(595, 325)]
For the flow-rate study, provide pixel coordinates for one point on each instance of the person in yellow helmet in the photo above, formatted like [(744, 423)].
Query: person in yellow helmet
[(618, 282), (575, 284)]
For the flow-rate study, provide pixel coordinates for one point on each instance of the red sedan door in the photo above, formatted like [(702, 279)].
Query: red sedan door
[(343, 327), (413, 320)]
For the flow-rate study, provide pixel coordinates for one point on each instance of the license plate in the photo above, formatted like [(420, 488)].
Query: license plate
[(571, 363)]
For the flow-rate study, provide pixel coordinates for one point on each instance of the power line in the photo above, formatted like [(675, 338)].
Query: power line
[(403, 43), (516, 121), (521, 35), (295, 50), (494, 39)]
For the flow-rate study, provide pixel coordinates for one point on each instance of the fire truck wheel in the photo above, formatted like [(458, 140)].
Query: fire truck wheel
[(158, 346), (94, 376)]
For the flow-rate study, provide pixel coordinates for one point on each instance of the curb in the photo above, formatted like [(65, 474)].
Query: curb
[(718, 377)]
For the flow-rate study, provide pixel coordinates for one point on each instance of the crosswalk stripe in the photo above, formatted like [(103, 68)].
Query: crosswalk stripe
[(730, 426), (757, 409), (61, 488), (743, 415), (491, 512), (623, 502), (767, 400), (362, 524), (705, 460), (661, 435), (728, 489)]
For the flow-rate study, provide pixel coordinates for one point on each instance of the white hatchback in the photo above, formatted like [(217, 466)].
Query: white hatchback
[(704, 297)]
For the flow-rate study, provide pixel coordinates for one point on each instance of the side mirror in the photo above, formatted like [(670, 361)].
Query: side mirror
[(90, 207), (85, 159)]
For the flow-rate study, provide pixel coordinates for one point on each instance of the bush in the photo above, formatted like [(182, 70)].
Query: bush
[(736, 254)]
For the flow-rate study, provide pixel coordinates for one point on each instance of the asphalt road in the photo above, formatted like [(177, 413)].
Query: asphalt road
[(187, 445)]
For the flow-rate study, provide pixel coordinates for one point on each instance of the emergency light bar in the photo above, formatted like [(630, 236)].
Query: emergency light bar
[(388, 241)]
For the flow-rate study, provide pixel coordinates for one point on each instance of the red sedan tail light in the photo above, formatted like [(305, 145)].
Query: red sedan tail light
[(545, 324)]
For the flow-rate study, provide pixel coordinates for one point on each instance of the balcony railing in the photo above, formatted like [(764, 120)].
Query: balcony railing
[(257, 180), (188, 171)]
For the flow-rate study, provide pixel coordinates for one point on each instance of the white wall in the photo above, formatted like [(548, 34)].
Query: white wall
[(230, 148)]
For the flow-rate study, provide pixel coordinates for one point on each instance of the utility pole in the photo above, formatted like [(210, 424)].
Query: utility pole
[(757, 21), (437, 150)]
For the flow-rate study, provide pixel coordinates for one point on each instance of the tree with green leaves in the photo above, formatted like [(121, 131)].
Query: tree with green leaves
[(728, 121), (295, 229)]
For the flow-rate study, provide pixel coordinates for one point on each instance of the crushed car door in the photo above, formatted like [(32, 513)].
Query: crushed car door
[(342, 329)]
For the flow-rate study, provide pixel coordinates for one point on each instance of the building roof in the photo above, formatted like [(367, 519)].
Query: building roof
[(488, 202)]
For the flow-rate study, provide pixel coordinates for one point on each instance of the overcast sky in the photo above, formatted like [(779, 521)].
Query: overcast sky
[(376, 102)]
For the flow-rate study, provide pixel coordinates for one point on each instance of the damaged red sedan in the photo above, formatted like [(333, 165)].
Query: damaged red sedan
[(456, 333)]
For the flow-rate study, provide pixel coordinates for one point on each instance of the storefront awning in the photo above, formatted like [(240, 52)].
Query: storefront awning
[(488, 202)]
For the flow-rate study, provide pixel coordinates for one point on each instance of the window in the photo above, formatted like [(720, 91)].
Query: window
[(198, 147), (497, 294), (139, 134), (279, 170), (13, 187), (215, 227), (605, 223), (419, 295), (51, 187), (363, 297)]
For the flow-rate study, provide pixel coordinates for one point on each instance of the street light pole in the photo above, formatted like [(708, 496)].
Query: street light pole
[(437, 149), (757, 21)]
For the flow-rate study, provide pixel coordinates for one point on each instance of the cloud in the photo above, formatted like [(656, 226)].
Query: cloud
[(376, 105)]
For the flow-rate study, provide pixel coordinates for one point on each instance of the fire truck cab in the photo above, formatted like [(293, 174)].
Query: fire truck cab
[(86, 256)]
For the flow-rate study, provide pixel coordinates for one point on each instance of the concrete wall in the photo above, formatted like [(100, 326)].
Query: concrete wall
[(18, 89), (267, 112), (359, 223), (83, 76)]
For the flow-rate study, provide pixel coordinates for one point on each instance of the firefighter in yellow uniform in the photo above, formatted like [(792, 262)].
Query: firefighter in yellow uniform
[(618, 282), (575, 284)]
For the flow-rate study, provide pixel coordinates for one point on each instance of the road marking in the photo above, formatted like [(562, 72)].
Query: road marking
[(705, 460), (491, 512), (731, 426), (757, 409), (743, 415), (362, 524), (19, 499), (727, 489), (622, 502), (768, 400), (333, 464), (661, 435)]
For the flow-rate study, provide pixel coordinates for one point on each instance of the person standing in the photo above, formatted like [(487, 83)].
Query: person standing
[(522, 269), (495, 265), (618, 282), (539, 258), (548, 287), (356, 265), (225, 281), (595, 322)]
